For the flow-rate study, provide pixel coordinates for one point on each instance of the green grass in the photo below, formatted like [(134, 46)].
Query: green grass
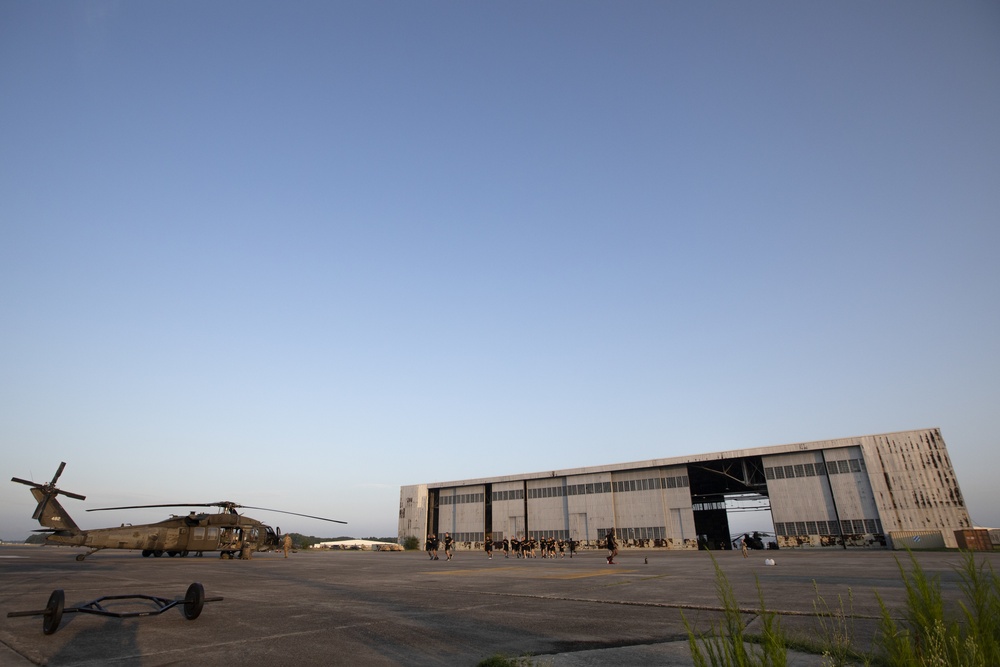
[(728, 644), (929, 635), (926, 632)]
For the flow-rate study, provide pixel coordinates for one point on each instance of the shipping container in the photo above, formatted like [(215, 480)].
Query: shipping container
[(974, 539), (916, 539)]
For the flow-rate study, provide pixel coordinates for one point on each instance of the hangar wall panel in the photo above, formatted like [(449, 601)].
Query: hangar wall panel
[(823, 498), (589, 506), (508, 509), (915, 484), (413, 512), (461, 512), (547, 503), (653, 507), (638, 503)]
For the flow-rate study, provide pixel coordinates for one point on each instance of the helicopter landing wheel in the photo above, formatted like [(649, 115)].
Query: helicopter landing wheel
[(157, 552), (53, 612), (146, 553), (194, 601), (81, 556)]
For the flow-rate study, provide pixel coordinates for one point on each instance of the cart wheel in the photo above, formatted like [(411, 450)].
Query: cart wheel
[(194, 601), (53, 612)]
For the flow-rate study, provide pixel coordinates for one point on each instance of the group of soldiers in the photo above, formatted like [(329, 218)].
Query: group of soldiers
[(546, 547), (433, 544), (524, 548)]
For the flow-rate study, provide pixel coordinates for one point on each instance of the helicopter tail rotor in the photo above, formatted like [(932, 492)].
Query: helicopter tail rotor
[(49, 512)]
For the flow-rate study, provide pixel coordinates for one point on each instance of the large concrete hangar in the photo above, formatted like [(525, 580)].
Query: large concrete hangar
[(852, 492)]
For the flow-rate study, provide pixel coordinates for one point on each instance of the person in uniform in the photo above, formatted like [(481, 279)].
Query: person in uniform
[(448, 543), (612, 545), (489, 547), (287, 545)]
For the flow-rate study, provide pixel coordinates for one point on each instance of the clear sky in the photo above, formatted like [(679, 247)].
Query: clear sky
[(298, 254)]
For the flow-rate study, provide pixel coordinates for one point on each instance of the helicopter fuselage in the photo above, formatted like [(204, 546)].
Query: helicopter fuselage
[(223, 532)]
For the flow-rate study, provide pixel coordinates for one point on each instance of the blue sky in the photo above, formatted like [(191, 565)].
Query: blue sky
[(296, 255)]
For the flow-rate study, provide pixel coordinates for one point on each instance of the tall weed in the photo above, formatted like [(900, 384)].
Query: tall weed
[(728, 644), (928, 636), (837, 630), (923, 634)]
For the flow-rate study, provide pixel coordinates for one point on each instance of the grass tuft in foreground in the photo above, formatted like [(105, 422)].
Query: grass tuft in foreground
[(927, 635), (728, 644), (922, 635)]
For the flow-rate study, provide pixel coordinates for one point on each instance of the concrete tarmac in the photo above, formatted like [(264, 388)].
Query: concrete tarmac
[(400, 608)]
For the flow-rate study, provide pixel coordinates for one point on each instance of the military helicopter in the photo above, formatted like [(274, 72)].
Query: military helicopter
[(228, 532), (754, 540)]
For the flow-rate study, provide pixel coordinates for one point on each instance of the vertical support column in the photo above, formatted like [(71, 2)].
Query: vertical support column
[(488, 511), (524, 487), (432, 511), (833, 499)]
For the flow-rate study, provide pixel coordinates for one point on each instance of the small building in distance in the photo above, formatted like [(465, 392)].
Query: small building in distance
[(858, 492)]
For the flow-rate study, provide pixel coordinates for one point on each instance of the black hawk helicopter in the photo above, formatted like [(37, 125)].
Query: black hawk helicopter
[(228, 532), (754, 540)]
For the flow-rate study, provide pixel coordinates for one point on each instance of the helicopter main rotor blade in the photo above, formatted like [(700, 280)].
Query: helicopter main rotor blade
[(308, 516), (139, 507), (224, 504), (24, 481)]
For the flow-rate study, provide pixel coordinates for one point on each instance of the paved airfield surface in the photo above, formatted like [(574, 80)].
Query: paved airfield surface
[(400, 608)]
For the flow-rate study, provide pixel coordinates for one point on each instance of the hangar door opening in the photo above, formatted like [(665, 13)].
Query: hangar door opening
[(729, 498)]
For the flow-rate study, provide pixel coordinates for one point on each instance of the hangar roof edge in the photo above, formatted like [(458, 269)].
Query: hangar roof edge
[(676, 460)]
